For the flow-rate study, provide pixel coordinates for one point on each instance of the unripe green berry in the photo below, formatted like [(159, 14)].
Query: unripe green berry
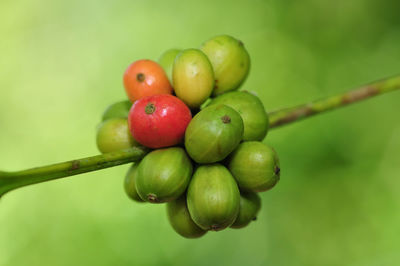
[(251, 109), (163, 175), (255, 166), (213, 197), (180, 220), (230, 61), (117, 110), (193, 77), (113, 135), (250, 204), (166, 61), (213, 134), (129, 184)]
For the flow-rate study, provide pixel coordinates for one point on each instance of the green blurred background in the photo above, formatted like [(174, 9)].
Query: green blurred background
[(338, 201)]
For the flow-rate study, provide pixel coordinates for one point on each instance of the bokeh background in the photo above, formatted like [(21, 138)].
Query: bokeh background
[(338, 201)]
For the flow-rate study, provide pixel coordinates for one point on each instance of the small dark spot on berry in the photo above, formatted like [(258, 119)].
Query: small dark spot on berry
[(152, 198), (150, 108), (226, 119), (215, 227), (277, 170), (140, 77)]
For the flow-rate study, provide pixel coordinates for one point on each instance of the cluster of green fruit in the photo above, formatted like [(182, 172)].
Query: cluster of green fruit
[(209, 181)]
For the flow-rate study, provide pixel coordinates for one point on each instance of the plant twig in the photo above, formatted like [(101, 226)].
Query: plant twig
[(289, 115), (14, 180)]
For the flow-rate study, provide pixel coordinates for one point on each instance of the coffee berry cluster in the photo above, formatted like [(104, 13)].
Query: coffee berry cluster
[(207, 160)]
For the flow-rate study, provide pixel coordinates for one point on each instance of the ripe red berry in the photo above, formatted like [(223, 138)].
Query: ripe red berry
[(159, 121)]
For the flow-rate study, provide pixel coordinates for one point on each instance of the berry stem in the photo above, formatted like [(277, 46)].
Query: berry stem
[(14, 180), (289, 115)]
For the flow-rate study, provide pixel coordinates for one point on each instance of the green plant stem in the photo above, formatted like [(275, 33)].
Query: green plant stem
[(289, 115), (13, 180)]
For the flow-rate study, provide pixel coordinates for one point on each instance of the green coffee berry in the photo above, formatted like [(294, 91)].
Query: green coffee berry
[(213, 197), (163, 175), (250, 204), (113, 135), (166, 61), (251, 109), (255, 166), (230, 61), (117, 110), (129, 184), (193, 77), (180, 220), (213, 134)]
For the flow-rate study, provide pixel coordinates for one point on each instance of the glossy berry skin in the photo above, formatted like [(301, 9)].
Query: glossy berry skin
[(130, 183), (255, 166), (113, 135), (193, 77), (213, 197), (159, 121), (213, 134), (145, 78), (166, 61), (252, 111), (250, 204), (163, 175), (117, 110), (230, 61), (180, 220)]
